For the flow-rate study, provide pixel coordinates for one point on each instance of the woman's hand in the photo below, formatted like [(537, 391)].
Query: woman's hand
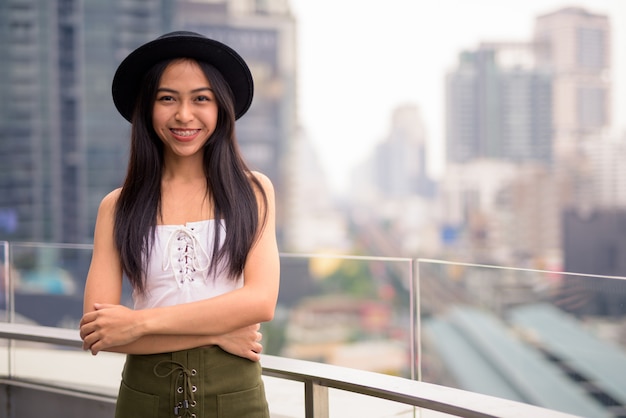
[(243, 342), (116, 325), (109, 326)]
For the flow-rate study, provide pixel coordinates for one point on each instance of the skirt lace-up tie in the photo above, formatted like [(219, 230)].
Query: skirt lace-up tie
[(185, 390)]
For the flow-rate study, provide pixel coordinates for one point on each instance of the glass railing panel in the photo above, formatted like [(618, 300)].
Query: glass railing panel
[(349, 311), (48, 282), (4, 301), (552, 339), (46, 288), (5, 291), (346, 311)]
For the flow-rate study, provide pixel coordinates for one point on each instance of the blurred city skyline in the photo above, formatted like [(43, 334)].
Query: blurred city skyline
[(359, 61), (366, 82)]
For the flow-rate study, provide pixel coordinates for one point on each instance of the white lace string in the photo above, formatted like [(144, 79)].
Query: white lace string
[(184, 247)]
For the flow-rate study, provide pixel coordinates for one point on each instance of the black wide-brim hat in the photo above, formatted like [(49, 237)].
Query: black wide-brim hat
[(182, 44)]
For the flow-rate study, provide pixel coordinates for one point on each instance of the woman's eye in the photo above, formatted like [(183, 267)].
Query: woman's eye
[(203, 99), (165, 98)]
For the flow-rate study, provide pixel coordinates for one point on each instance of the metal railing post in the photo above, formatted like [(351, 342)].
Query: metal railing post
[(315, 400)]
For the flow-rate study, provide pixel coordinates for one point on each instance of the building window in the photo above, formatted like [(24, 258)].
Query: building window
[(591, 107), (591, 53)]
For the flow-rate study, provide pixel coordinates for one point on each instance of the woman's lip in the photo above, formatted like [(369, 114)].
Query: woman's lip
[(184, 135)]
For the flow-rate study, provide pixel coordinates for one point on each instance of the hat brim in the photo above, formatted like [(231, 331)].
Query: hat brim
[(127, 79)]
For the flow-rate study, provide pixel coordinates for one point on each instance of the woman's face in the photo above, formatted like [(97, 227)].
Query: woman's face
[(185, 110)]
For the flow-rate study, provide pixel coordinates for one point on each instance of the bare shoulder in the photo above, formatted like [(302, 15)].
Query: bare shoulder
[(264, 181), (107, 205)]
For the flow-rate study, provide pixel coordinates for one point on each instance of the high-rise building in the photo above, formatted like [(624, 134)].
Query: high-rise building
[(40, 164), (574, 45), (400, 160), (608, 173), (498, 105), (63, 146)]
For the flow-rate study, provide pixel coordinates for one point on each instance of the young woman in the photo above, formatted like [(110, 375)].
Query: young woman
[(193, 230)]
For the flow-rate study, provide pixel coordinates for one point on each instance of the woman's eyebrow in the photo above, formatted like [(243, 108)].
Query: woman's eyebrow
[(169, 90)]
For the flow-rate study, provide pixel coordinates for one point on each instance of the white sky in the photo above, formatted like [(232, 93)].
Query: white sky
[(360, 59)]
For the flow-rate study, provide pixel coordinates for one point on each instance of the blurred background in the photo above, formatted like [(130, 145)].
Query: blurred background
[(490, 132), (484, 132)]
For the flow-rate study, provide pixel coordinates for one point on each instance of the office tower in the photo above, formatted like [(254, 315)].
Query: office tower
[(574, 45), (400, 160), (62, 144), (608, 171), (498, 194), (42, 166), (499, 145), (498, 105)]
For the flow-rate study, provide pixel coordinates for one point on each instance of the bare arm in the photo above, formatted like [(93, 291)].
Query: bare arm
[(244, 342), (111, 325)]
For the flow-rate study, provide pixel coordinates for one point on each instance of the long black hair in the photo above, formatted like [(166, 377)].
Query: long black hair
[(230, 185)]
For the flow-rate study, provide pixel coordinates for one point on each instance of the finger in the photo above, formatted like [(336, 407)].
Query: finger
[(87, 344), (87, 329), (89, 341), (87, 318), (253, 356), (84, 331), (94, 349)]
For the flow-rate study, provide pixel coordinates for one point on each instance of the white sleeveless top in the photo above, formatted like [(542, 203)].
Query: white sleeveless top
[(179, 264)]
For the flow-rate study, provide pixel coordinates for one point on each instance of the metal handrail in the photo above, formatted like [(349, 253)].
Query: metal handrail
[(318, 378)]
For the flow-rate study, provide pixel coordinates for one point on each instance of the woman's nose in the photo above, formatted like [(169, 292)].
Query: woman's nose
[(184, 113)]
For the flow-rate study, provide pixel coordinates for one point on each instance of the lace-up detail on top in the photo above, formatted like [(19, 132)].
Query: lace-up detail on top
[(179, 267), (185, 254)]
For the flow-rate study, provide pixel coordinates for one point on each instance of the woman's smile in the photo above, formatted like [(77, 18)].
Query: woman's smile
[(185, 135)]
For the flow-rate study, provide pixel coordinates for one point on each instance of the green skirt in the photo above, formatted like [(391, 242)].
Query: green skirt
[(197, 383)]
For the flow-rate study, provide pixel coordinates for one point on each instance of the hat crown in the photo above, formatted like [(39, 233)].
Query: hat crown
[(181, 33)]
